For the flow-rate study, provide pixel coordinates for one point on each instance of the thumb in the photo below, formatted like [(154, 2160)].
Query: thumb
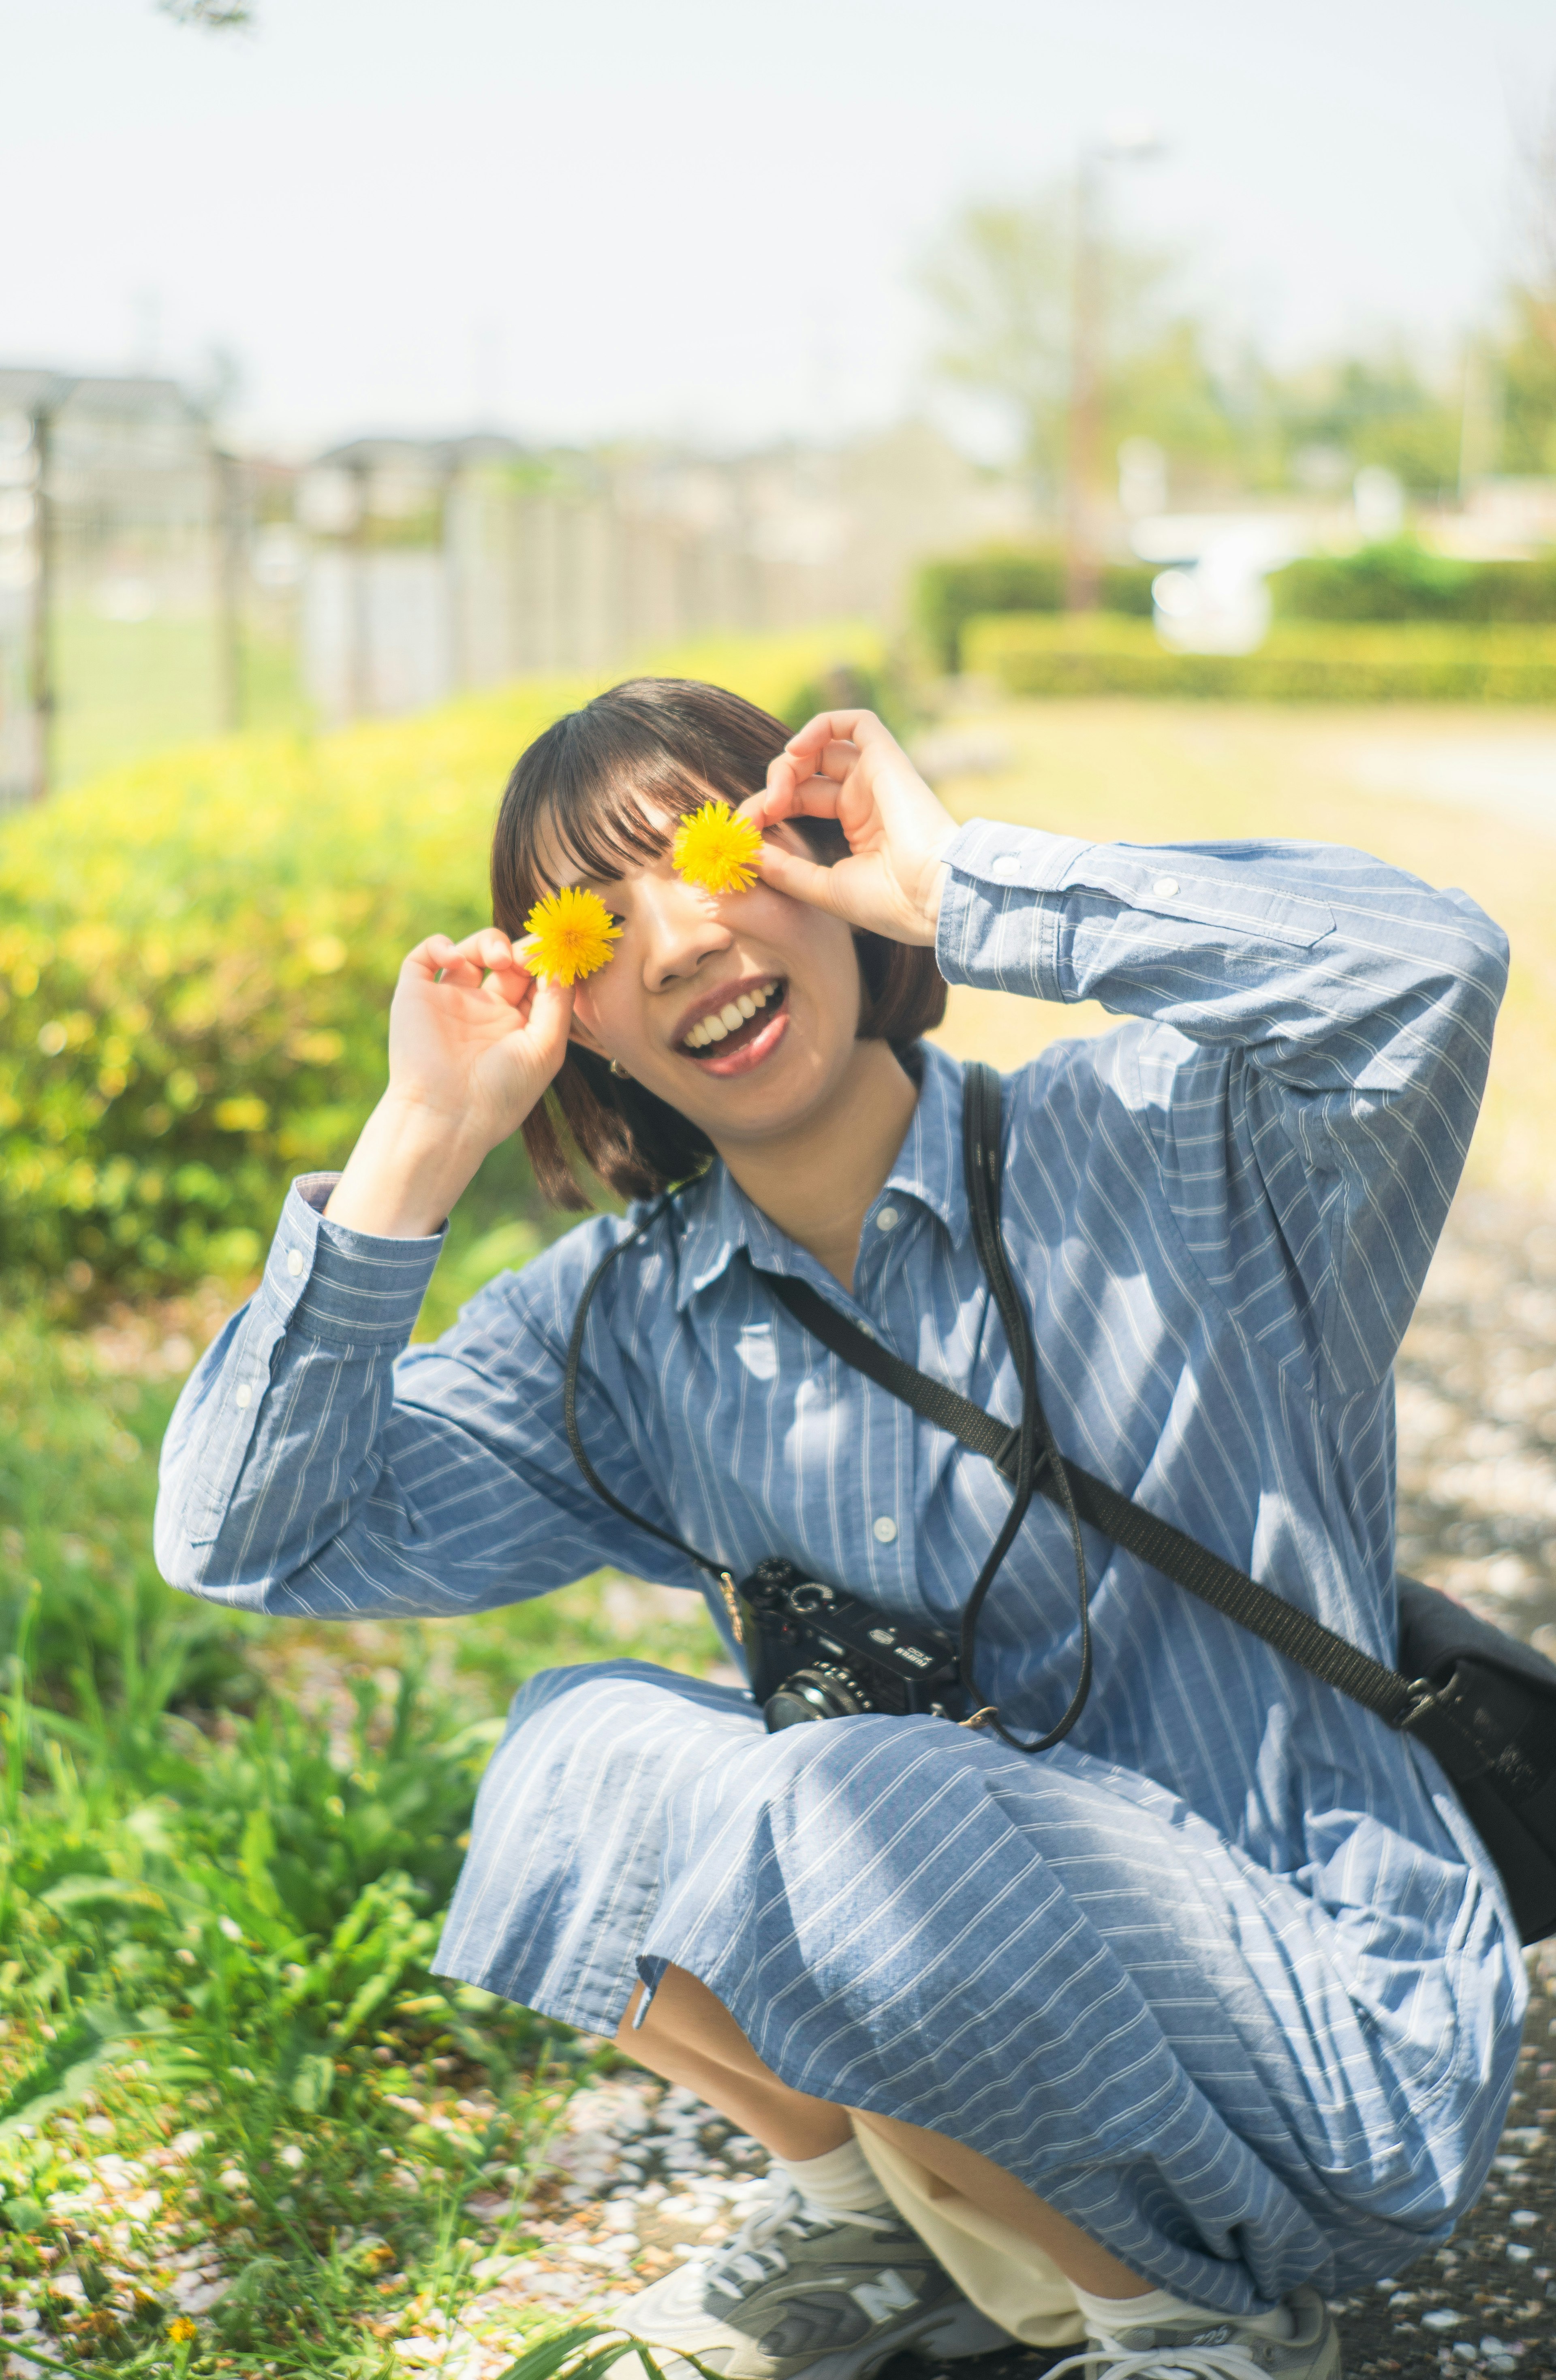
[(803, 879), (550, 1014)]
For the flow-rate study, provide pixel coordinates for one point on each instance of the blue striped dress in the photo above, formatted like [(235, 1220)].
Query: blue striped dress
[(1226, 1977)]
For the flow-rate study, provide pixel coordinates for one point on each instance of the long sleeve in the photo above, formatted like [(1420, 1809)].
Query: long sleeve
[(1318, 1031), (313, 1465)]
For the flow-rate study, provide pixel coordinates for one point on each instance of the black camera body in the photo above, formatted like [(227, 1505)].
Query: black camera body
[(818, 1653)]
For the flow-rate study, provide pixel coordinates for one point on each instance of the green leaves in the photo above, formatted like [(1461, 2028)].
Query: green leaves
[(197, 956)]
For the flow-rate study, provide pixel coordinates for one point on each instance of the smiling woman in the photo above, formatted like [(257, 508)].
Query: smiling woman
[(1209, 2013), (598, 799)]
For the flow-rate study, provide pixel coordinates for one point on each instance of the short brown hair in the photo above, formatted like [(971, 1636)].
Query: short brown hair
[(669, 742)]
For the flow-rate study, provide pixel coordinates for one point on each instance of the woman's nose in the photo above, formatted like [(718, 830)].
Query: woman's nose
[(680, 930)]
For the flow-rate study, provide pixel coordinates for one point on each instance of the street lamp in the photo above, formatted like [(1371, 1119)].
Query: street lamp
[(1124, 144)]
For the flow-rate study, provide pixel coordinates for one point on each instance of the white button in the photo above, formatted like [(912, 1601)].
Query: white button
[(243, 1394), (294, 1261), (1007, 863), (885, 1529), (887, 1220), (1165, 887)]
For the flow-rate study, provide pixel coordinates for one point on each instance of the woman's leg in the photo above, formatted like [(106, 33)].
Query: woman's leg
[(690, 2038)]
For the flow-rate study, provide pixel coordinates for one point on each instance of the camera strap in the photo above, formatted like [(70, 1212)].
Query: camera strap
[(1497, 1751), (1080, 1494), (716, 1571), (1025, 1452)]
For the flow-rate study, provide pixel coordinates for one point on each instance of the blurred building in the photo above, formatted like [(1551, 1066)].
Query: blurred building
[(438, 564), (116, 559)]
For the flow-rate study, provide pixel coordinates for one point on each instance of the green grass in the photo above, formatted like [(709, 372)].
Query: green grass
[(127, 689), (225, 1850)]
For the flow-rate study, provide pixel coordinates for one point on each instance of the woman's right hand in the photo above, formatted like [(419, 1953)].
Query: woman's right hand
[(474, 1039)]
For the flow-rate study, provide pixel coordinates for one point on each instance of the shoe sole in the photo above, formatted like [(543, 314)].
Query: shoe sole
[(948, 2336)]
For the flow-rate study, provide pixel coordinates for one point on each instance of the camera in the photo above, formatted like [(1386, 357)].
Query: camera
[(818, 1653)]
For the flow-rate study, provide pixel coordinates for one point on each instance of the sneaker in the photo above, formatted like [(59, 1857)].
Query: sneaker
[(1213, 2347), (800, 2290)]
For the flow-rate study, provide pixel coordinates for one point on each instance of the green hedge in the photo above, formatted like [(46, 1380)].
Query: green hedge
[(949, 593), (1401, 580), (197, 955), (1410, 662)]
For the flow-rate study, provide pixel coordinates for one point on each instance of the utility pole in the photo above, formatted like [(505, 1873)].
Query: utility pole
[(229, 588), (42, 695), (1083, 560)]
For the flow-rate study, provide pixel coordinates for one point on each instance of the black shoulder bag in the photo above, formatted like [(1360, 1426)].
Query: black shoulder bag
[(1480, 1700)]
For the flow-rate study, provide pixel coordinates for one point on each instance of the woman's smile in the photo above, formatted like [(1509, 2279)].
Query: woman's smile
[(735, 1027)]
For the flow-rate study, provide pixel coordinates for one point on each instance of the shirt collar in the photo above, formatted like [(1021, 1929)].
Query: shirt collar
[(717, 1218)]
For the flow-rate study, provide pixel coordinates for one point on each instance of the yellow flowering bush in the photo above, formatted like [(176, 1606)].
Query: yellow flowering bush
[(197, 955)]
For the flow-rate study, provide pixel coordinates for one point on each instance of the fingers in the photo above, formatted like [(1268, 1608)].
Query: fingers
[(791, 791), (802, 879), (550, 1017), (464, 964), (857, 727)]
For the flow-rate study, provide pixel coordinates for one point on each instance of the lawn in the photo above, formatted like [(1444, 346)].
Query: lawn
[(243, 2128)]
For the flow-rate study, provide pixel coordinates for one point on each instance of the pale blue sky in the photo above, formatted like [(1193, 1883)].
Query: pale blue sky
[(602, 215)]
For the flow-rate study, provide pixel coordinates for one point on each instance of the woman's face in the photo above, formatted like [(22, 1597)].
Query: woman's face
[(740, 1010)]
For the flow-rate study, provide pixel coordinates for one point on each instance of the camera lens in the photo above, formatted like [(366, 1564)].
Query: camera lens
[(813, 1693)]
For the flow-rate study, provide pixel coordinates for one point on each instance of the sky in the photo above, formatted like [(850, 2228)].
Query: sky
[(700, 218)]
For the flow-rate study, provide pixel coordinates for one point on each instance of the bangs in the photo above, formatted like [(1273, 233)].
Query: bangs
[(603, 789)]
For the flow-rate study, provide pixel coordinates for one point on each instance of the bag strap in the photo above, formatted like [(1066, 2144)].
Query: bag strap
[(1399, 1702), (1025, 1452)]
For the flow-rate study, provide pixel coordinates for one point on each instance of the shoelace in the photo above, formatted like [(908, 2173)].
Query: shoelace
[(1111, 2360), (749, 2257)]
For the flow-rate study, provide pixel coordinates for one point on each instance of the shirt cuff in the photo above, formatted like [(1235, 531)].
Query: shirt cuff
[(991, 930), (348, 1287)]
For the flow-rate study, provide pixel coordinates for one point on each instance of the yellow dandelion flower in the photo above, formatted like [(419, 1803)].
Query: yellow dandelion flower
[(181, 2329), (569, 934), (717, 850)]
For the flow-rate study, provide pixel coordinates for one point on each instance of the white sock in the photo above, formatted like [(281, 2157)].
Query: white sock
[(839, 2183), (1112, 2315)]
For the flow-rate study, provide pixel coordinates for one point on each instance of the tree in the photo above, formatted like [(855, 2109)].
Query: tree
[(1000, 281), (215, 15)]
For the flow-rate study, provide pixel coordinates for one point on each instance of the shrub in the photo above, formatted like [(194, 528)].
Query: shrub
[(1409, 663), (949, 593), (197, 955), (1400, 580)]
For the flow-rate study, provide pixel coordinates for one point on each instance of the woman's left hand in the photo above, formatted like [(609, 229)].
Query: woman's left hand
[(844, 765)]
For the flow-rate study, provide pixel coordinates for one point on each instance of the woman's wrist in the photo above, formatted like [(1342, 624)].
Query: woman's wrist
[(407, 1171)]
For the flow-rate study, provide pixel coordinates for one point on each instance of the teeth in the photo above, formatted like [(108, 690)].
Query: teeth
[(730, 1018)]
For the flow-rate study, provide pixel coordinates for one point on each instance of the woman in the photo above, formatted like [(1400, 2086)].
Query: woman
[(1159, 2037)]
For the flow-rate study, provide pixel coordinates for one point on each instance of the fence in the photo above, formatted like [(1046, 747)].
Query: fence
[(153, 590), (465, 563), (117, 576)]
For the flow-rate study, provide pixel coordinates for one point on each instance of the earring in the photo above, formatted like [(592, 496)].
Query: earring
[(620, 1071)]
